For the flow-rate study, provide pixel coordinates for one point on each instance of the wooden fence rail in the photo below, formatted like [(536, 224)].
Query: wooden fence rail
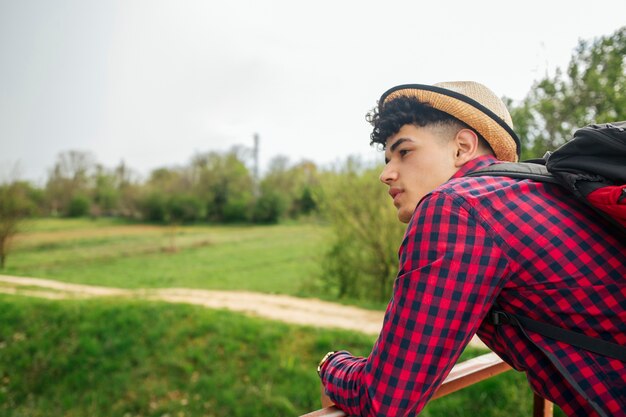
[(463, 375)]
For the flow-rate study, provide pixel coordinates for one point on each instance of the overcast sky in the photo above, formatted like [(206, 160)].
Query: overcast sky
[(152, 82)]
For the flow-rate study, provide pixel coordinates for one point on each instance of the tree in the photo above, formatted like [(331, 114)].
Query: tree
[(14, 206), (591, 90), (224, 183), (362, 259), (105, 193), (269, 206), (153, 207), (69, 178), (128, 190), (162, 184), (292, 185), (181, 208), (78, 206)]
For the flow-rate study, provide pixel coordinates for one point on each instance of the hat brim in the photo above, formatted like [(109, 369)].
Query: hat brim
[(500, 136)]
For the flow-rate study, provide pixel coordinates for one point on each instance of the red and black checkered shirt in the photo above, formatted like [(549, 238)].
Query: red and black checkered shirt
[(527, 246)]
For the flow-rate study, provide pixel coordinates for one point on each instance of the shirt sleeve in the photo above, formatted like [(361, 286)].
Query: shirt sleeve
[(450, 272)]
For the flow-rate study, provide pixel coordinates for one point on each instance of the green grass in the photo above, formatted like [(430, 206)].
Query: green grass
[(55, 224), (128, 358), (274, 259), (109, 358)]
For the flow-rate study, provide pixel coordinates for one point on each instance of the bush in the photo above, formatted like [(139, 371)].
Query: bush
[(236, 210), (79, 206), (362, 261), (184, 209), (269, 207), (14, 206), (153, 207), (306, 203), (340, 276), (107, 200)]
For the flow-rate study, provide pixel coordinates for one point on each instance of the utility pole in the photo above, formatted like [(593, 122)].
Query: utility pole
[(256, 164)]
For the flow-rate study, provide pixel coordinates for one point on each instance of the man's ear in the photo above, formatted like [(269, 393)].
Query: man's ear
[(466, 147)]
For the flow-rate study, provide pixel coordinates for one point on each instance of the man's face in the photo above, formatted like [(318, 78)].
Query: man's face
[(418, 160)]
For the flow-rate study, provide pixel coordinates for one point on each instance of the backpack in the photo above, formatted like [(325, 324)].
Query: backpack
[(592, 167)]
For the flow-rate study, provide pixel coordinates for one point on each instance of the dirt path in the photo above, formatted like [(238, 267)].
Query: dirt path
[(284, 308)]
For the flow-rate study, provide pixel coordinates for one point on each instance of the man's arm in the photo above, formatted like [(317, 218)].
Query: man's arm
[(326, 401), (451, 270)]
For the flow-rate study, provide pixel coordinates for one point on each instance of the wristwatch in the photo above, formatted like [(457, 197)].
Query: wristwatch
[(324, 359)]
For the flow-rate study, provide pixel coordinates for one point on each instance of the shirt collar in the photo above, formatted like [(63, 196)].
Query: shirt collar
[(475, 164)]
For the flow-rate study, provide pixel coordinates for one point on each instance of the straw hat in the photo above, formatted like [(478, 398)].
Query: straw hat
[(471, 103)]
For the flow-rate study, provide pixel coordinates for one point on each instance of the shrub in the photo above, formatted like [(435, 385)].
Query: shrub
[(153, 207), (306, 203), (236, 210), (269, 207), (362, 260), (79, 206), (184, 209)]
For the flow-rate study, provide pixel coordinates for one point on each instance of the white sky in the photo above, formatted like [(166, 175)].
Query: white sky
[(152, 82)]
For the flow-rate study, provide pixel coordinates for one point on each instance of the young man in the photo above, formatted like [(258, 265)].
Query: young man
[(473, 243)]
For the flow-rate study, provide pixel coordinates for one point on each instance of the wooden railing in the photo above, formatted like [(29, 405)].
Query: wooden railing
[(463, 375)]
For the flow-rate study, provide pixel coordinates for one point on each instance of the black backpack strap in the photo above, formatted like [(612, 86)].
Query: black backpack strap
[(613, 350), (592, 344), (521, 170)]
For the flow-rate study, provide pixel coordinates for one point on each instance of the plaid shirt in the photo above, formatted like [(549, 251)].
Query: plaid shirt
[(527, 246)]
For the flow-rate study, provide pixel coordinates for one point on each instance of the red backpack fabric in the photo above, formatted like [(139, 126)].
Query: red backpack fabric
[(611, 200)]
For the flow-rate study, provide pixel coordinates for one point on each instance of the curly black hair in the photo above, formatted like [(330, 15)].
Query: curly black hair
[(406, 110)]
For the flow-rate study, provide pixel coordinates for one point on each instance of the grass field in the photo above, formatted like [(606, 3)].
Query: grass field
[(109, 357), (275, 259)]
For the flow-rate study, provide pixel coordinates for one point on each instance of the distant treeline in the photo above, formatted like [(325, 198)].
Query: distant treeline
[(213, 187)]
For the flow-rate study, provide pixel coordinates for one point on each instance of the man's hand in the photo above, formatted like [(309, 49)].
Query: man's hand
[(326, 401)]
